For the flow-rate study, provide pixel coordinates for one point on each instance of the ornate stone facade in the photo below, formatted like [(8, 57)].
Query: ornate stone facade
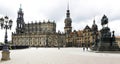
[(47, 39), (44, 33), (40, 27), (36, 34)]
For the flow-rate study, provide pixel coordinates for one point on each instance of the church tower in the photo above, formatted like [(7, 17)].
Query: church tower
[(20, 22), (68, 22), (94, 26)]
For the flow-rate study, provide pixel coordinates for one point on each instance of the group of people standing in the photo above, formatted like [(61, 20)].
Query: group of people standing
[(85, 47)]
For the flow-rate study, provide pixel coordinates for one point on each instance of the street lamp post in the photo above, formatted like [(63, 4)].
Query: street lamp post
[(5, 24)]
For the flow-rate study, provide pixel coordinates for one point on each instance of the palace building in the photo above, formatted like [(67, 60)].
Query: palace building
[(87, 36), (44, 33)]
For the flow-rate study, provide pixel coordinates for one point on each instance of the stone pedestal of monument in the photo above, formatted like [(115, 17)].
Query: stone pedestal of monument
[(5, 55), (106, 42), (103, 46), (114, 47)]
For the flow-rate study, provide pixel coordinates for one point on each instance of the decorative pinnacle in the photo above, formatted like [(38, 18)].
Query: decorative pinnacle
[(20, 7), (68, 11), (68, 5), (94, 21)]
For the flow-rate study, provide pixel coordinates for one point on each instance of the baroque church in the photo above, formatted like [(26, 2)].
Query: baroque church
[(36, 34), (44, 33)]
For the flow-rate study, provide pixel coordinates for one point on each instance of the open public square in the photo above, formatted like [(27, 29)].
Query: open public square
[(59, 32), (60, 56)]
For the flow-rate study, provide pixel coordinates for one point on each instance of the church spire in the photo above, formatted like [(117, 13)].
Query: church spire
[(20, 6), (94, 26), (94, 21), (68, 11), (68, 21), (20, 21), (68, 6), (20, 9)]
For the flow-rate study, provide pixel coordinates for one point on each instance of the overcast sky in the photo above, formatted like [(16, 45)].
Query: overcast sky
[(83, 12)]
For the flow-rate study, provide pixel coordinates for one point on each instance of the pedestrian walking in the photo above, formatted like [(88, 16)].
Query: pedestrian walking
[(83, 47), (87, 47)]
